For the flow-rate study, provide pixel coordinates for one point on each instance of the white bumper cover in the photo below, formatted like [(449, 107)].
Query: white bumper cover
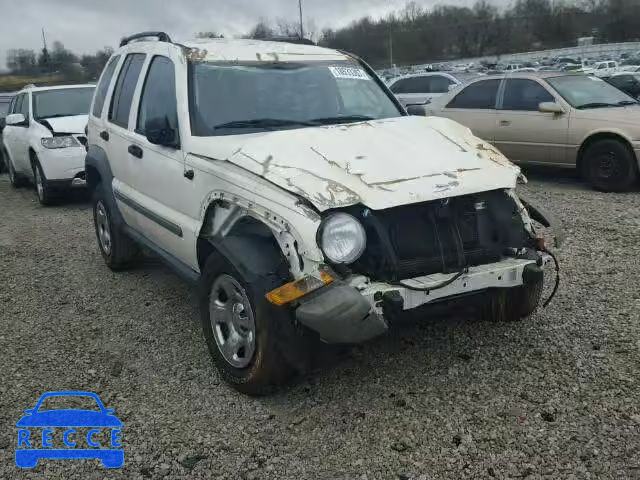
[(504, 274)]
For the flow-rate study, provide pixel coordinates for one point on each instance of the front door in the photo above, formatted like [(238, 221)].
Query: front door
[(523, 133), (160, 183)]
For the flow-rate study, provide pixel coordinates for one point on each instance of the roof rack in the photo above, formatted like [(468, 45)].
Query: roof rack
[(162, 37), (296, 40)]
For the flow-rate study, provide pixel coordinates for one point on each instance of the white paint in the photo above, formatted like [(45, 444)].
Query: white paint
[(72, 124), (380, 164)]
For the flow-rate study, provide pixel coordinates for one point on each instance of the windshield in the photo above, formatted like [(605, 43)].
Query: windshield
[(582, 91), (235, 99), (62, 103)]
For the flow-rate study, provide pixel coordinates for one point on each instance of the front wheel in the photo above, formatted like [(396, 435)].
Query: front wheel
[(43, 190), (610, 166), (512, 304), (242, 328)]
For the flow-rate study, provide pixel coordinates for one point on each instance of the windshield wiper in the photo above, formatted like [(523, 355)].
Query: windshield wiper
[(263, 123), (597, 105), (341, 119)]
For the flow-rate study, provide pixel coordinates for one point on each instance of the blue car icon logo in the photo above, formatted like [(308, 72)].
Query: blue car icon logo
[(32, 447)]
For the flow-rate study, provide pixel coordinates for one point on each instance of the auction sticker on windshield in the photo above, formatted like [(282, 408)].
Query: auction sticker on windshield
[(349, 72)]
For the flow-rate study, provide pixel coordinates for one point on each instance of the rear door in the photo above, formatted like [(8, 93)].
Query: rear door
[(523, 133), (475, 107), (119, 132)]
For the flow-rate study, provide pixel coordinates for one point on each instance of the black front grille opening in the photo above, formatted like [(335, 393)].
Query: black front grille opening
[(81, 175), (441, 236)]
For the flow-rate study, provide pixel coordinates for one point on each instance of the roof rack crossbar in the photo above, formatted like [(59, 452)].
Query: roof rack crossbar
[(162, 37)]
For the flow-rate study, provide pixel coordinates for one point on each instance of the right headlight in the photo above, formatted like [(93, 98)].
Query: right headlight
[(342, 238)]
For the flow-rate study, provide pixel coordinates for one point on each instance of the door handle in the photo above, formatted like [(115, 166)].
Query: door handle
[(104, 135), (505, 123), (135, 150)]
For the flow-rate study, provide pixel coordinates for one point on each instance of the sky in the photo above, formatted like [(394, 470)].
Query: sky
[(84, 26)]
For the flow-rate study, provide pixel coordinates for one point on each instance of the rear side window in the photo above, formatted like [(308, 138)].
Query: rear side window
[(158, 98), (412, 85), (480, 95), (440, 84), (103, 86), (125, 88), (527, 95)]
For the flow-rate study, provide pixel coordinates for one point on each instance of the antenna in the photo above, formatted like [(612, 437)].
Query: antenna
[(301, 25)]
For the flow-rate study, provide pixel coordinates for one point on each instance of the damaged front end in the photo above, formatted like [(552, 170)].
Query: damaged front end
[(423, 253)]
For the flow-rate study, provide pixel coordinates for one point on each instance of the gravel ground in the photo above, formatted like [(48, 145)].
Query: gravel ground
[(554, 397)]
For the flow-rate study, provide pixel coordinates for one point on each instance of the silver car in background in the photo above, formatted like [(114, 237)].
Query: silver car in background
[(421, 88)]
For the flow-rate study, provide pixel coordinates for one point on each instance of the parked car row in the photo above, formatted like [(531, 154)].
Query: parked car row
[(297, 194), (553, 119)]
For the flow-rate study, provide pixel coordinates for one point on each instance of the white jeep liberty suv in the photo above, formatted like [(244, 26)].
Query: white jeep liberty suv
[(288, 183)]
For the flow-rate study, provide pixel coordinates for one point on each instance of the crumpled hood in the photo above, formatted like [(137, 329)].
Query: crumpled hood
[(71, 124), (381, 164)]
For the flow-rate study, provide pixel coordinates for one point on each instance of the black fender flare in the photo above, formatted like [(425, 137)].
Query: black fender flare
[(98, 172), (253, 256)]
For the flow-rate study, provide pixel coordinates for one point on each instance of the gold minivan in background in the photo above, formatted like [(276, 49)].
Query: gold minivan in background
[(553, 119)]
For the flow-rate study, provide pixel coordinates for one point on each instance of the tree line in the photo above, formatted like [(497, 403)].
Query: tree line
[(58, 60), (411, 35), (417, 35)]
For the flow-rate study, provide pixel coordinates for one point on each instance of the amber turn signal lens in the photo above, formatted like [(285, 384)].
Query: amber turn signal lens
[(291, 291)]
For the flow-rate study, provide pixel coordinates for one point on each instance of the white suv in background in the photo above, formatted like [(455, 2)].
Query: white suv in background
[(290, 185), (44, 139)]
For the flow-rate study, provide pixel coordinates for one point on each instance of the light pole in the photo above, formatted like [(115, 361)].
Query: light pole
[(301, 25)]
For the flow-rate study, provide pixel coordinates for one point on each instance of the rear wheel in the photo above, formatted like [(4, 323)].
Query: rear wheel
[(117, 249), (610, 166), (512, 304), (244, 332)]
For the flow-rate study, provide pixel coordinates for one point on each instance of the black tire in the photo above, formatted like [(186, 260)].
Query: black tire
[(16, 180), (119, 251), (3, 163), (512, 304), (43, 190), (610, 166), (268, 367)]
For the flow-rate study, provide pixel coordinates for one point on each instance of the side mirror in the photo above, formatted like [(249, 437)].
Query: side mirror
[(417, 109), (159, 132), (16, 120), (550, 107)]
